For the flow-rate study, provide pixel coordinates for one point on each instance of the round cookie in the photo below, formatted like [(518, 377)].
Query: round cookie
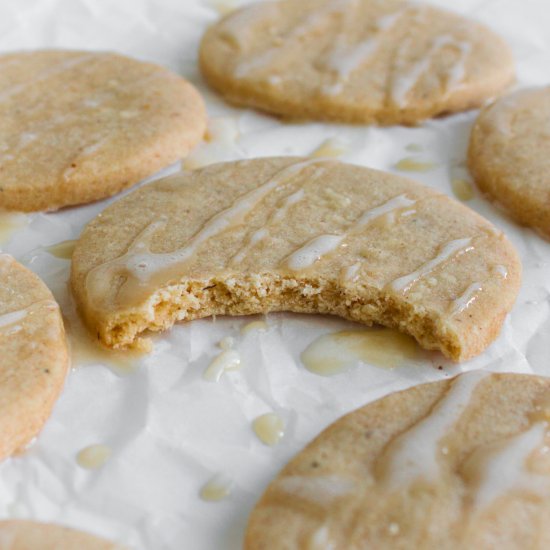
[(362, 61), (289, 234), (80, 126), (33, 355), (456, 464), (31, 535), (508, 156)]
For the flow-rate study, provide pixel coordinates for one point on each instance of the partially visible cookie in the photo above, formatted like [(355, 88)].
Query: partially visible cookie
[(509, 158), (452, 465), (33, 355), (289, 234), (365, 61), (31, 535), (79, 126)]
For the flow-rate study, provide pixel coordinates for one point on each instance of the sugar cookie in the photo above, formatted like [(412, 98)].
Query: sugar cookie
[(31, 535), (508, 156), (456, 464), (366, 61), (33, 355), (80, 126), (295, 235)]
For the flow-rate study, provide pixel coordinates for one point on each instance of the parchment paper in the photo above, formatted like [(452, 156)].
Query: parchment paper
[(168, 429)]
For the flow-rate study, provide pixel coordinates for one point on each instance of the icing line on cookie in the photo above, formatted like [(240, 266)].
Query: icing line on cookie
[(45, 74), (351, 273), (502, 467), (13, 317), (141, 264), (464, 301), (501, 270), (414, 454), (322, 490), (263, 232), (451, 250), (313, 251), (393, 205), (321, 539), (321, 245), (235, 25), (344, 59), (310, 22), (404, 83), (8, 319), (85, 152), (473, 291), (501, 114)]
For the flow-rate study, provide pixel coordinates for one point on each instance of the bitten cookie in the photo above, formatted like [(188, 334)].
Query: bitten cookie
[(365, 61), (30, 535), (295, 235), (80, 126), (457, 464), (33, 355), (509, 159)]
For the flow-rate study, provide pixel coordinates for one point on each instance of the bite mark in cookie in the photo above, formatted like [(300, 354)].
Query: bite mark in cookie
[(273, 234)]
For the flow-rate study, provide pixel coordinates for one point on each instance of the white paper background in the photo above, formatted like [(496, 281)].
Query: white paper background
[(169, 429)]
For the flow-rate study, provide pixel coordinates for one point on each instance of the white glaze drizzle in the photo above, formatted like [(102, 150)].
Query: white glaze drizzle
[(218, 487), (351, 273), (257, 62), (227, 360), (450, 250), (344, 59), (236, 25), (471, 294), (501, 271), (322, 490), (397, 203), (321, 245), (13, 317), (229, 217), (505, 470), (313, 251), (28, 138), (310, 22), (344, 64), (85, 152), (457, 73), (500, 115), (8, 319), (464, 301), (414, 454), (45, 74), (405, 82), (142, 264), (321, 539), (263, 232)]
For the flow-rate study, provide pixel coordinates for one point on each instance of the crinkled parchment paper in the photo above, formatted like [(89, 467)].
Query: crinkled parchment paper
[(168, 429)]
